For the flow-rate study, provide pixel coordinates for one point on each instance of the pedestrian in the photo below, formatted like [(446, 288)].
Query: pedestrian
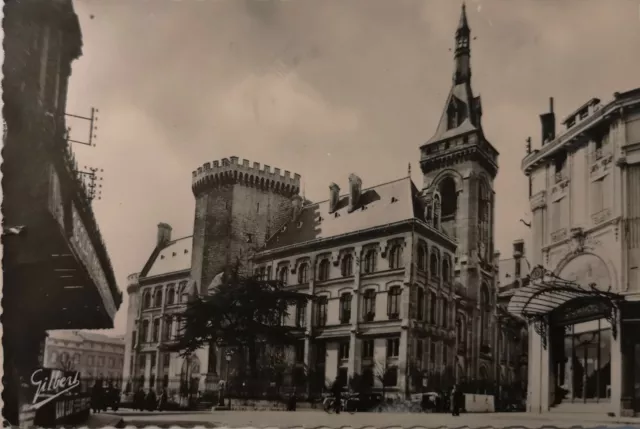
[(455, 400), (337, 395)]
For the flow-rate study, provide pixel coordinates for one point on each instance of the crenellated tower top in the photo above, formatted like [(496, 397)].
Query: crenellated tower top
[(229, 171), (132, 282)]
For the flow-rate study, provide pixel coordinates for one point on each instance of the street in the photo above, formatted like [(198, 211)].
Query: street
[(315, 419)]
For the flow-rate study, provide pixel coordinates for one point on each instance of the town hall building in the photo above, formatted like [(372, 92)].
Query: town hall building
[(404, 274)]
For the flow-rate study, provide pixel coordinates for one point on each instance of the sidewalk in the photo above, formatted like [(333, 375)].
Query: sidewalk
[(580, 418), (101, 420)]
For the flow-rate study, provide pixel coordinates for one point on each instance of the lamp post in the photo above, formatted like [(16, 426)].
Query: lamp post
[(226, 384)]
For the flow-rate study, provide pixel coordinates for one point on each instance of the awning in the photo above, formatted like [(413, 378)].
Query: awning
[(547, 292)]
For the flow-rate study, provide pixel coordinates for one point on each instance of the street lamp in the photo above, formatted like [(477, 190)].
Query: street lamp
[(226, 384)]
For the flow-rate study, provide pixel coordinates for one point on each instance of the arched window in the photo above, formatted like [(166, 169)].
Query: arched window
[(420, 304), (347, 266), (370, 260), (485, 315), (144, 332), (433, 265), (303, 273), (146, 300), (158, 298), (428, 213), (395, 257), (449, 196), (446, 273), (422, 257), (323, 270), (393, 305), (53, 357), (369, 305), (437, 214), (171, 295), (283, 275)]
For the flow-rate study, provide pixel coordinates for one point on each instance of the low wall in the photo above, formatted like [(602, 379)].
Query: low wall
[(479, 403)]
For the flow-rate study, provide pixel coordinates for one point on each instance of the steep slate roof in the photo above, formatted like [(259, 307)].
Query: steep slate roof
[(315, 221), (175, 256), (81, 336)]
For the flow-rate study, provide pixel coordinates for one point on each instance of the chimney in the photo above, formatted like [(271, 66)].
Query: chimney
[(355, 188), (548, 121), (164, 234), (296, 202), (334, 197)]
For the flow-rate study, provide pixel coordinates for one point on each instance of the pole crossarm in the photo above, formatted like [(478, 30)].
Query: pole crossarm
[(547, 292)]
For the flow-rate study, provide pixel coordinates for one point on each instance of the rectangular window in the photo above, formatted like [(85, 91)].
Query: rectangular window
[(133, 340), (345, 308), (393, 347), (101, 361), (343, 352), (321, 311), (367, 349), (301, 315), (299, 351), (369, 307), (556, 215), (597, 195)]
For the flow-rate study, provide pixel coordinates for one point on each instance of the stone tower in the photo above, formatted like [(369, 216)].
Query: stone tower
[(238, 206), (133, 311), (459, 165)]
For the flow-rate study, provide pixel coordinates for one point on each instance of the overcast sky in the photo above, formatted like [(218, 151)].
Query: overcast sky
[(323, 88)]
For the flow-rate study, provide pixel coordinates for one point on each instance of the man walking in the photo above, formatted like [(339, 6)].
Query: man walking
[(455, 400)]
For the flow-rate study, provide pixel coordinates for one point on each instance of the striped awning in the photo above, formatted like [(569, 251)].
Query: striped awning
[(547, 292)]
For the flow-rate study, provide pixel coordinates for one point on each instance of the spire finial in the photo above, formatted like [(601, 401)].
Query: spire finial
[(463, 24), (409, 170)]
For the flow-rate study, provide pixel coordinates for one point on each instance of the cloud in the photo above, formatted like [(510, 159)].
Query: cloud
[(279, 104)]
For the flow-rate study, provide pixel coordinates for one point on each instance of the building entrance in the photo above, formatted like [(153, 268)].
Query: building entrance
[(583, 363)]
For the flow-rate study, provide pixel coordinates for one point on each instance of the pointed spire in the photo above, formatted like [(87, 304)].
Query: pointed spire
[(463, 25), (462, 71)]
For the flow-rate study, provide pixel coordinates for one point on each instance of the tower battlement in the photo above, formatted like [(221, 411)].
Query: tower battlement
[(132, 282), (229, 170)]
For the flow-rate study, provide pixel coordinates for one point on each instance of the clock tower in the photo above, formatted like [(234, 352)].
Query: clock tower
[(459, 166)]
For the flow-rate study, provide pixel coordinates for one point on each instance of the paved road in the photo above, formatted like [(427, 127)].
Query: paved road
[(316, 419)]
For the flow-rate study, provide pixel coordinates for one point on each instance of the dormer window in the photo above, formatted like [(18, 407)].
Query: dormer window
[(452, 116)]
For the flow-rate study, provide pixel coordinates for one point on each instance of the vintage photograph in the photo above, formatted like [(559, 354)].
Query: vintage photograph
[(321, 213)]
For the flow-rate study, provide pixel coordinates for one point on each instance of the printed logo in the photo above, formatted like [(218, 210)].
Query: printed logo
[(51, 383)]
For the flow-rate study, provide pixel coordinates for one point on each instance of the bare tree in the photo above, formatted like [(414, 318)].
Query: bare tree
[(386, 374)]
